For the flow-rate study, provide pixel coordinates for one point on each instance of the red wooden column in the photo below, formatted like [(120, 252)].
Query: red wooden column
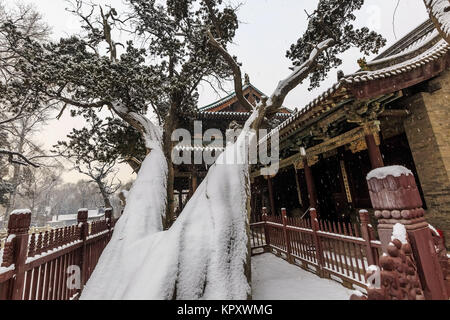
[(82, 222), (376, 159), (194, 183), (396, 199), (19, 226), (311, 185), (271, 198)]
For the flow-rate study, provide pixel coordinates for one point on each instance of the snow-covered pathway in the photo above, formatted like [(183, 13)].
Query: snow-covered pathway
[(275, 279)]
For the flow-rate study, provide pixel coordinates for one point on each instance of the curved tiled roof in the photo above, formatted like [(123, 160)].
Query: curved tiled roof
[(434, 53), (438, 50), (229, 97), (197, 148), (242, 115), (412, 40)]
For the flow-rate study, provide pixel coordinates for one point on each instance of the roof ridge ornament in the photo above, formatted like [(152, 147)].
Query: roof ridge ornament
[(246, 79), (363, 64)]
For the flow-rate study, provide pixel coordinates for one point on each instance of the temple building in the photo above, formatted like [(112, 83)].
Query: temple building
[(394, 111), (226, 113)]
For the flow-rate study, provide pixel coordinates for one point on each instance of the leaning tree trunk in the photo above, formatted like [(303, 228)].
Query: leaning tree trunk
[(169, 126), (104, 194)]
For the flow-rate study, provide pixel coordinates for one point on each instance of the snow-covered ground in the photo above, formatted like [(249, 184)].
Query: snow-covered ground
[(275, 279)]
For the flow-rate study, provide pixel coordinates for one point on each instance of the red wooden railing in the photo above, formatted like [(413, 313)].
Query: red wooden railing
[(337, 250), (51, 265)]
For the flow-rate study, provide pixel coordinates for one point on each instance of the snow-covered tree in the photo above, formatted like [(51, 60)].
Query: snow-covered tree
[(36, 187), (204, 254), (20, 113), (20, 136), (163, 77), (330, 32), (16, 102)]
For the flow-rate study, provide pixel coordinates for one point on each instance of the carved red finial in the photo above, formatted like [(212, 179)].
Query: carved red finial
[(19, 222), (398, 279), (82, 215), (391, 189), (8, 253)]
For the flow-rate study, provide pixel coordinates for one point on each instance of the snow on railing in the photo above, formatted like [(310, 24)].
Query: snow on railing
[(332, 249), (49, 255)]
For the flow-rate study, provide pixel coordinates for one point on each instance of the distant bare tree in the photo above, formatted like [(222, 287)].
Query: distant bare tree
[(21, 133), (14, 103), (35, 189)]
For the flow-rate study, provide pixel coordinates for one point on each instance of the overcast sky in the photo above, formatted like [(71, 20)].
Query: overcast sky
[(267, 30)]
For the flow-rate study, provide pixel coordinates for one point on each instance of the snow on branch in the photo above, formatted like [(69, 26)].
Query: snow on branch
[(150, 132), (18, 158), (439, 11), (299, 74)]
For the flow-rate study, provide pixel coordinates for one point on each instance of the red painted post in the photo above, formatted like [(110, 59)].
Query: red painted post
[(271, 198), (317, 243), (396, 199), (376, 159), (266, 230), (19, 226), (286, 235), (312, 195), (82, 222), (365, 233)]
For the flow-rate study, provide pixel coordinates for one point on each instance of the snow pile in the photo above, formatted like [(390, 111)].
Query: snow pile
[(440, 10), (275, 279), (140, 220), (201, 256), (399, 233), (382, 173), (373, 268)]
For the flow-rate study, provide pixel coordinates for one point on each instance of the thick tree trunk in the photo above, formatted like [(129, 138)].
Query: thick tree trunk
[(104, 194), (169, 126)]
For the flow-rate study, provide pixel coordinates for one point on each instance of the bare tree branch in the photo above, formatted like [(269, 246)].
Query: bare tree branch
[(24, 160), (236, 69)]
